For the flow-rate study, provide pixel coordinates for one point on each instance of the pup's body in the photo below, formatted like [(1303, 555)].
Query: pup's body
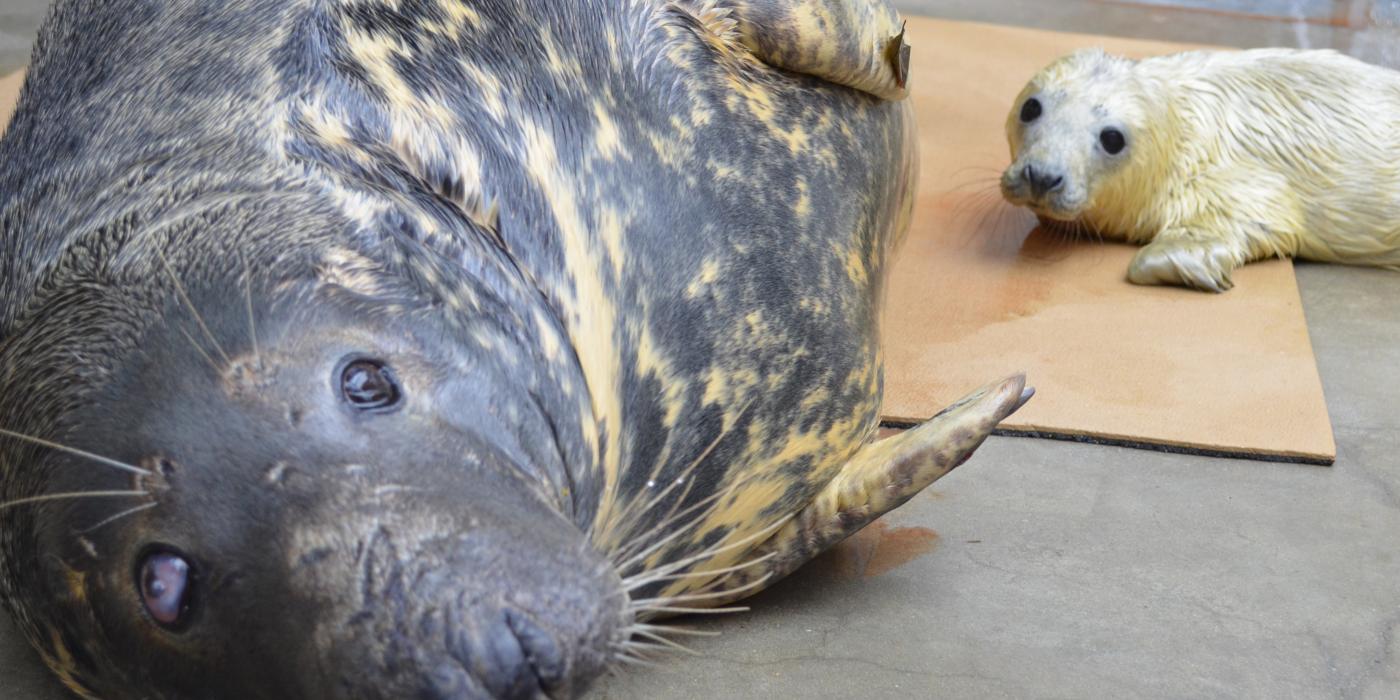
[(1226, 158)]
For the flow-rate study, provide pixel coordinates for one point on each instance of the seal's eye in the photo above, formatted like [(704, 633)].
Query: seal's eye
[(166, 588), (369, 385), (1112, 141), (1031, 111)]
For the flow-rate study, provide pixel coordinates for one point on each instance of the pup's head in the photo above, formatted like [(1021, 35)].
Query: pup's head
[(1073, 129)]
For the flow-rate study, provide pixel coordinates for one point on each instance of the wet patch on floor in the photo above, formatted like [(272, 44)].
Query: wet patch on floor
[(879, 549)]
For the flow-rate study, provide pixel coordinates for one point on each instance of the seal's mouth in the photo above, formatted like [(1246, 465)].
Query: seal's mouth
[(1056, 212), (1054, 200)]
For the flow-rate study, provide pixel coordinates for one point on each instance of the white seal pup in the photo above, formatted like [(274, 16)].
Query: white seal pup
[(1214, 159)]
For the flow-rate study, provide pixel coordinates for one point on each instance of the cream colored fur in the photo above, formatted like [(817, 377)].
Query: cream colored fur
[(1232, 157)]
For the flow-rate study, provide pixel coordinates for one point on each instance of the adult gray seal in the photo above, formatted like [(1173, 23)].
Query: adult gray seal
[(414, 349)]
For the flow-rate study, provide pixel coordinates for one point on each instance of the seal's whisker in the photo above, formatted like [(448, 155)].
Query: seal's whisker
[(637, 518), (704, 596), (668, 642), (983, 171), (696, 574), (682, 530), (976, 186), (666, 646), (661, 527), (71, 497), (118, 516), (672, 518), (75, 452), (974, 204), (634, 661), (185, 297), (663, 541), (718, 550), (1098, 232), (248, 299), (684, 631), (198, 348), (683, 476), (694, 611)]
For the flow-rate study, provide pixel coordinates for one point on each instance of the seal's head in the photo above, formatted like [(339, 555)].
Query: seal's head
[(330, 490), (1073, 131)]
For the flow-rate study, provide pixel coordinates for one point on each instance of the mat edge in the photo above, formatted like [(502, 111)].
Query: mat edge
[(1216, 452)]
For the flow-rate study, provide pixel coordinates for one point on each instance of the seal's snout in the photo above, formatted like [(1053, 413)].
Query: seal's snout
[(490, 608), (1045, 185), (1043, 180), (511, 656)]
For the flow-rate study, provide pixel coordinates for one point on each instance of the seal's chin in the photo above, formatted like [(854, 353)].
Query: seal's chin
[(1054, 212), (1048, 210)]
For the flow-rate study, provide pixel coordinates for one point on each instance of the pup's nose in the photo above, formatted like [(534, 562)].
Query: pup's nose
[(1043, 181)]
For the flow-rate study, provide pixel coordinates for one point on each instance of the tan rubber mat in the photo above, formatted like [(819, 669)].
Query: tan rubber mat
[(978, 293), (9, 92)]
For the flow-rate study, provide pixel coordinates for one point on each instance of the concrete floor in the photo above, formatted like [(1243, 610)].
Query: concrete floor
[(1055, 570)]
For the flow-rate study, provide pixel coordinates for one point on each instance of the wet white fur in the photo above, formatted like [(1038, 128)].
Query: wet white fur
[(1231, 157)]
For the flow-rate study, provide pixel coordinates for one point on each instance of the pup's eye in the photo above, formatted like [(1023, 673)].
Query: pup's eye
[(369, 385), (1031, 111), (1113, 141), (166, 588)]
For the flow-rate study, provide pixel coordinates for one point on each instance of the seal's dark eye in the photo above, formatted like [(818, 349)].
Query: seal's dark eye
[(1113, 141), (166, 588), (369, 385), (1031, 111)]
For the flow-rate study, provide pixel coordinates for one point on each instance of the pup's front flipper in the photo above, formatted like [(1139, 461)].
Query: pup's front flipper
[(856, 43), (881, 477), (1203, 263)]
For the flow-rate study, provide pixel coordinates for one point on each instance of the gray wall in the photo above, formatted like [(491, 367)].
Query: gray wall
[(19, 20)]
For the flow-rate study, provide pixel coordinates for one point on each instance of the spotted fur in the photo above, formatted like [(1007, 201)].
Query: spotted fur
[(631, 254)]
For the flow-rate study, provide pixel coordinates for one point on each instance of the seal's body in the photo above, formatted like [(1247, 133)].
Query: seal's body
[(1215, 158), (429, 349)]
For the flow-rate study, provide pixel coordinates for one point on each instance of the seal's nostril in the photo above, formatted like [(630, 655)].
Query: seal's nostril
[(500, 661), (508, 673), (541, 650), (449, 681), (1043, 182)]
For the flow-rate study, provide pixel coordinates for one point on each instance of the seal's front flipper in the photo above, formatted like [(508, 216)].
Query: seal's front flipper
[(857, 43), (881, 477), (1198, 262)]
